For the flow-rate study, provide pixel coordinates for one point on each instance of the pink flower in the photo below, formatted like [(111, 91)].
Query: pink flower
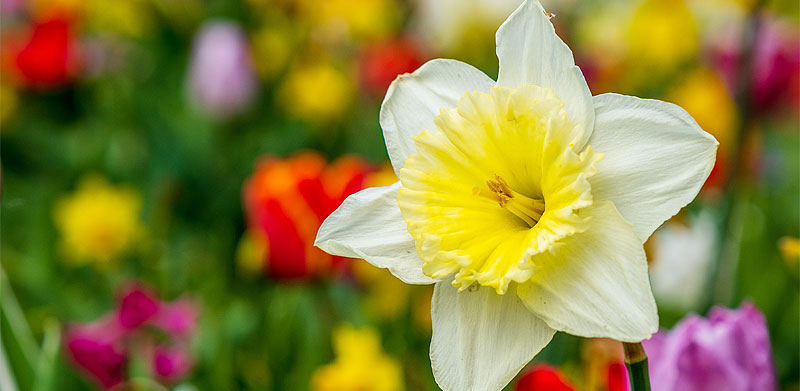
[(177, 318), (171, 364), (96, 348), (136, 308), (102, 349), (776, 62), (221, 76), (728, 351)]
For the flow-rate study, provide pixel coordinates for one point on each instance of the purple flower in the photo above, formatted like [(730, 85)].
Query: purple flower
[(136, 308), (221, 76), (728, 351)]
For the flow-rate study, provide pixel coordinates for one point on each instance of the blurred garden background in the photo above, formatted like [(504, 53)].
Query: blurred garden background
[(167, 163)]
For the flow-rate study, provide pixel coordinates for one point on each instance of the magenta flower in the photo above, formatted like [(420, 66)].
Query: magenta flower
[(103, 348), (96, 348), (728, 351), (776, 61), (136, 308), (221, 76)]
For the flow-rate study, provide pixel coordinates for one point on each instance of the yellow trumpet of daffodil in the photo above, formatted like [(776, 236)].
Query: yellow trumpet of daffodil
[(526, 201)]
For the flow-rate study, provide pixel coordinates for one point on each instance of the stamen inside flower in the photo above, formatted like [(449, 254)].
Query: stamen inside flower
[(474, 192), (528, 209)]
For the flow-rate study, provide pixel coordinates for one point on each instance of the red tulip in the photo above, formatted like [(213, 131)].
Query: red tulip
[(286, 202), (617, 377), (47, 58), (380, 64), (543, 378)]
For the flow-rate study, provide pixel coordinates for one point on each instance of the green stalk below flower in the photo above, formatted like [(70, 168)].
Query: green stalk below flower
[(636, 362)]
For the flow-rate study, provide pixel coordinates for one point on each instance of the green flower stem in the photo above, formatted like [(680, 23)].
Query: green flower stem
[(636, 362)]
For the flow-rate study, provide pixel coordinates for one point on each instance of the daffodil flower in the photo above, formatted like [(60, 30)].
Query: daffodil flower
[(526, 202)]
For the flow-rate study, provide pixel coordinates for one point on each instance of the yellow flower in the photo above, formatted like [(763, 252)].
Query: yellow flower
[(601, 33), (790, 252), (704, 95), (98, 222), (662, 35), (360, 19), (271, 49), (131, 17), (317, 93), (360, 364), (790, 248)]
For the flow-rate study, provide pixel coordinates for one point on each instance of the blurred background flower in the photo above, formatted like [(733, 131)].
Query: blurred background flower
[(362, 20), (360, 364), (728, 351), (662, 36), (44, 55), (776, 61), (99, 222), (704, 95), (543, 377), (221, 75), (286, 202), (317, 92), (680, 256), (142, 329), (381, 63)]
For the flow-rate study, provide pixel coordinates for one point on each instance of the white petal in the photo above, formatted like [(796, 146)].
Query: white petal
[(530, 52), (481, 339), (369, 225), (656, 158), (595, 285), (414, 100)]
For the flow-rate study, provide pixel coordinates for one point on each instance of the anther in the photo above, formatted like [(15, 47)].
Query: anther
[(528, 209)]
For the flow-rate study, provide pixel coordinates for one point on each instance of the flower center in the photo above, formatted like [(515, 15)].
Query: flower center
[(473, 194), (528, 209)]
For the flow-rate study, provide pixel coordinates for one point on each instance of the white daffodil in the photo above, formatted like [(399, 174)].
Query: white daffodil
[(526, 201)]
